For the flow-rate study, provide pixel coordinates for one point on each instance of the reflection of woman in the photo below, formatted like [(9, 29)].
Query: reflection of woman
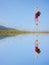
[(37, 50)]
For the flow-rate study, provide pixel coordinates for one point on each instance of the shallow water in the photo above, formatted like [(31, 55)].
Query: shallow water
[(19, 50)]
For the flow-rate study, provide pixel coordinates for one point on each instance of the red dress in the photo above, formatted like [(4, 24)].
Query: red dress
[(36, 16)]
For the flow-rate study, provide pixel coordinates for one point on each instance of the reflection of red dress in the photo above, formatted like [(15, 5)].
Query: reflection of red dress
[(36, 48)]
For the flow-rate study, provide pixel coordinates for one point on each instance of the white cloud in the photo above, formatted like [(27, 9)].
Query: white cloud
[(2, 21)]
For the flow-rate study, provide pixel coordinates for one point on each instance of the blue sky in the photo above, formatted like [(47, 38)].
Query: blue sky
[(19, 14)]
